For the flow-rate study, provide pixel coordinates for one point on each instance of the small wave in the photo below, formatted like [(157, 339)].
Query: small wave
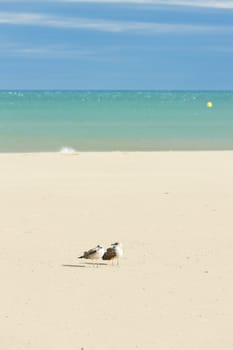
[(67, 150)]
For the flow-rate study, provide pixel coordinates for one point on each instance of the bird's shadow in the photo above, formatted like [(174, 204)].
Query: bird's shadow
[(70, 265), (87, 264), (92, 263)]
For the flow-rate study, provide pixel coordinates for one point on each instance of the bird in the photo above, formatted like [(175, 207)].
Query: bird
[(94, 253), (113, 252)]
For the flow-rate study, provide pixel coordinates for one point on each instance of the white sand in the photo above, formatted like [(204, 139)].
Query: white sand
[(173, 212)]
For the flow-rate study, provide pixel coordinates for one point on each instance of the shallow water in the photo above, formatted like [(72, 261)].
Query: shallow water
[(34, 121)]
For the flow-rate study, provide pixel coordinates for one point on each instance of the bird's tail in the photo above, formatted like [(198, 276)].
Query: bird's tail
[(83, 256)]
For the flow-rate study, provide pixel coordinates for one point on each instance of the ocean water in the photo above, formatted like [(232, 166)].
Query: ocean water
[(44, 121)]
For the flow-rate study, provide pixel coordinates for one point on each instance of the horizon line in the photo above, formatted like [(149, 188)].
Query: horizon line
[(119, 90)]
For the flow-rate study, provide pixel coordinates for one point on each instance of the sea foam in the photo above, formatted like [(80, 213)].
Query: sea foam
[(67, 150)]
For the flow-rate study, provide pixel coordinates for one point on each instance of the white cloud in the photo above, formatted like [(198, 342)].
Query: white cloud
[(221, 4), (221, 49), (218, 4), (36, 19), (48, 51)]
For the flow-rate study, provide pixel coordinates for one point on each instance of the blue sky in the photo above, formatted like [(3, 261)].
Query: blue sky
[(116, 44)]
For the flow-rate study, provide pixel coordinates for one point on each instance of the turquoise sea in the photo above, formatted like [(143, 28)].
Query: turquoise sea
[(35, 121)]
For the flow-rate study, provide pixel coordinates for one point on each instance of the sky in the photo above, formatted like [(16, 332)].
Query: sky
[(116, 44)]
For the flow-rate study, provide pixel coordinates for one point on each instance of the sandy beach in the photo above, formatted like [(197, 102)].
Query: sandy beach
[(172, 211)]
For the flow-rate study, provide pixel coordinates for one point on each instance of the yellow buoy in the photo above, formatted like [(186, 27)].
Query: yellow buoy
[(209, 104)]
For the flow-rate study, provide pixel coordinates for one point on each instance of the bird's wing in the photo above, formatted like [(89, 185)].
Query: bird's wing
[(109, 254), (90, 252)]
